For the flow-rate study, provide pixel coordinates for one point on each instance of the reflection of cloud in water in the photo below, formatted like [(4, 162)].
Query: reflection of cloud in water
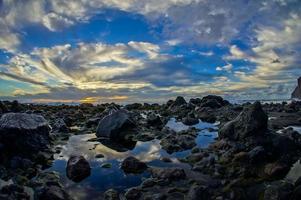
[(145, 151), (179, 126), (102, 179), (297, 128)]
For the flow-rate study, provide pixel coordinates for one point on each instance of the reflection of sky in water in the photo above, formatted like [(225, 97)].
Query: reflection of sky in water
[(297, 128), (102, 179)]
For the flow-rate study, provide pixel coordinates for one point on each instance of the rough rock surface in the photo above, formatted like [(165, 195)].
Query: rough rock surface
[(252, 121), (78, 168), (297, 92), (133, 165), (115, 125), (24, 133)]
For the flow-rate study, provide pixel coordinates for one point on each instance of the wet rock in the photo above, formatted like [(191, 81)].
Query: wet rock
[(175, 142), (276, 170), (213, 101), (296, 194), (190, 120), (134, 106), (3, 108), (78, 168), (196, 101), (197, 192), (133, 194), (252, 121), (133, 165), (24, 133), (59, 126), (115, 125), (99, 156), (168, 173), (205, 114), (284, 144), (154, 120), (111, 194), (106, 165), (13, 192), (93, 122), (257, 154), (20, 163), (179, 101), (279, 190), (150, 182), (297, 92), (15, 106), (53, 192)]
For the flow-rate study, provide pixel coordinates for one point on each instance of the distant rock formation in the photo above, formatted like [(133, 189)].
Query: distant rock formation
[(297, 91)]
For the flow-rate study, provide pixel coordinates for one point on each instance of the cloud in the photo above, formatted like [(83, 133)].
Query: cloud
[(55, 22), (227, 68), (86, 66), (189, 21)]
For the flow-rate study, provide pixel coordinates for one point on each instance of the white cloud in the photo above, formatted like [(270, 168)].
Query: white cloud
[(227, 68), (235, 53), (55, 22), (86, 66), (173, 42)]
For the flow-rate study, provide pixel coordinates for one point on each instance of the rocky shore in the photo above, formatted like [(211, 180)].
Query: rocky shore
[(255, 149)]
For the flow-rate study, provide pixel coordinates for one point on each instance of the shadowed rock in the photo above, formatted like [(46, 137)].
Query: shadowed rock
[(78, 168), (297, 92), (133, 165), (252, 121), (213, 101), (24, 133), (115, 125), (169, 174)]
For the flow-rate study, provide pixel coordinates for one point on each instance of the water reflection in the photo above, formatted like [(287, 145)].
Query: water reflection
[(102, 179)]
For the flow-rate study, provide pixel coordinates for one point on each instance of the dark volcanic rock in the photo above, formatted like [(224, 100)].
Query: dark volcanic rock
[(53, 192), (154, 120), (115, 125), (179, 101), (12, 192), (190, 120), (24, 133), (297, 92), (78, 168), (198, 192), (133, 165), (180, 141), (213, 101), (59, 125), (111, 194), (168, 173), (252, 121)]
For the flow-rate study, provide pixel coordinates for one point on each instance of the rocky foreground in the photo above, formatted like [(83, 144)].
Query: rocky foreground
[(250, 159)]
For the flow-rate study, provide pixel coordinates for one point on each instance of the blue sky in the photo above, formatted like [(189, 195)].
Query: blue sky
[(148, 50)]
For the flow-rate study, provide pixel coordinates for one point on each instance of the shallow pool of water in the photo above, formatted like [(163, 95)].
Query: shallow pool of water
[(102, 179)]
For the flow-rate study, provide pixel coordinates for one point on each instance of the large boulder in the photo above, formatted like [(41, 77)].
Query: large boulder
[(24, 133), (297, 92), (78, 168), (115, 125), (252, 121)]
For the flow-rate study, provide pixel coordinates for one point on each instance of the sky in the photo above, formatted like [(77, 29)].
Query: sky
[(126, 51)]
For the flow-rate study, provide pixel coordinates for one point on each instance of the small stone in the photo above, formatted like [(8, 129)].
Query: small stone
[(106, 165)]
